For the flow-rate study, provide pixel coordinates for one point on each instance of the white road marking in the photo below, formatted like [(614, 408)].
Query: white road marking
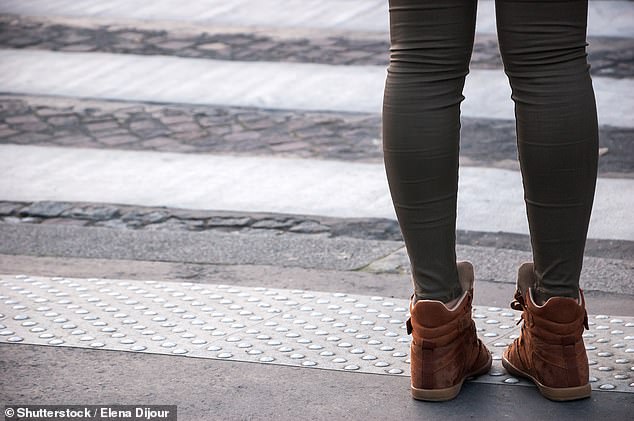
[(297, 86), (489, 199), (606, 18)]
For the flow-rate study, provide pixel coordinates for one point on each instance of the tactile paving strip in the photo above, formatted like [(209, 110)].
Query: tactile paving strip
[(333, 331)]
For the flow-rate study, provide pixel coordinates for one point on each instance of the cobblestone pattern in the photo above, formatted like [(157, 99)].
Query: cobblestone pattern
[(193, 129), (300, 134), (609, 56), (171, 219), (143, 218)]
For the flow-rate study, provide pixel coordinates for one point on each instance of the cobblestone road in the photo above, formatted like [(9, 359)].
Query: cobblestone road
[(612, 57), (208, 129), (171, 219)]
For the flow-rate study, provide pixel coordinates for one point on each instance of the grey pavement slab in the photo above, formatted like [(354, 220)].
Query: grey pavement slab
[(300, 86), (225, 390), (272, 184), (605, 17), (500, 265), (285, 250), (498, 292), (300, 250)]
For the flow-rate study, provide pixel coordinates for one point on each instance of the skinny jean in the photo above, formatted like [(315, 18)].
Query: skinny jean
[(543, 48)]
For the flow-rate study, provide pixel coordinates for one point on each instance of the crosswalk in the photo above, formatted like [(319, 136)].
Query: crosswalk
[(92, 166), (275, 85), (606, 17)]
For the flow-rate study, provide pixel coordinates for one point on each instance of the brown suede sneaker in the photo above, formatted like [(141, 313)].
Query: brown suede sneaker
[(550, 349), (445, 349)]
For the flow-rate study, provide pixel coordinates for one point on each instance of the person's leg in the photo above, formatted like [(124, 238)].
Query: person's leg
[(431, 47), (431, 44), (543, 46)]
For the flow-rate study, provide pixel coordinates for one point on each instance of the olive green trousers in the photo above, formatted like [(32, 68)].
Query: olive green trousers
[(543, 47)]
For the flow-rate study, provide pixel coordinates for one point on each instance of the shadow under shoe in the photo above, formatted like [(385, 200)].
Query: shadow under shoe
[(445, 349), (550, 349)]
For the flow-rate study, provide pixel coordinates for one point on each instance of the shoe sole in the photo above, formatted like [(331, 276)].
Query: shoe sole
[(558, 394), (439, 395)]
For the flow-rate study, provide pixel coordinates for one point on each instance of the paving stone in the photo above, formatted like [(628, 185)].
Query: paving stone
[(290, 146), (229, 222), (94, 213), (45, 209), (66, 221), (26, 138), (74, 140), (160, 143), (63, 120), (273, 223), (187, 136), (170, 224), (7, 133), (309, 227), (184, 127), (175, 45), (117, 140), (242, 136), (22, 119), (31, 127), (155, 217), (48, 112), (10, 208), (96, 127), (78, 48), (115, 223), (214, 46)]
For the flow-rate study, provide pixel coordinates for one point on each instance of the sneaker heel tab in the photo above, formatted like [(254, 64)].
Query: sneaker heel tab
[(466, 275)]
